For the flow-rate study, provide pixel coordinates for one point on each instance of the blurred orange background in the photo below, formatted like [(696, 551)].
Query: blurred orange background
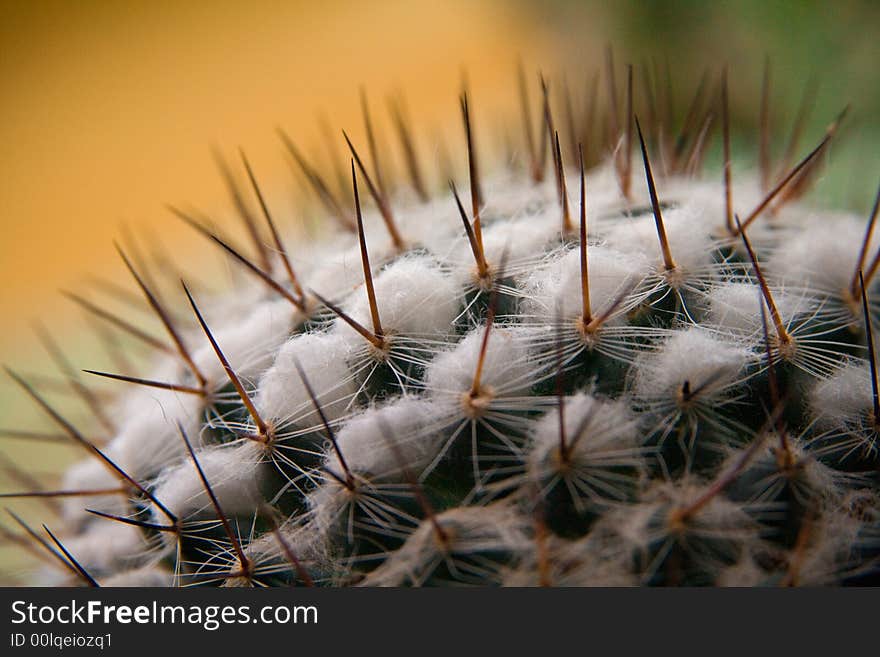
[(110, 110)]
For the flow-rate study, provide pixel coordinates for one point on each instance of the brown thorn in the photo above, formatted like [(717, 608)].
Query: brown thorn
[(331, 435), (276, 238), (111, 344), (419, 492), (292, 558), (626, 168), (725, 131), (541, 535), (69, 429), (137, 257), (606, 315), (50, 384), (536, 171), (479, 256), (151, 384), (490, 320), (65, 493), (42, 542), (669, 97), (244, 212), (546, 135), (444, 159), (120, 293), (381, 202), (549, 125), (330, 202), (650, 102), (19, 540), (581, 428), (202, 225), (83, 392), (764, 122), (473, 170), (28, 481), (567, 226), (76, 564), (365, 259), (781, 333), (371, 144), (243, 561), (409, 151), (560, 389), (569, 120), (336, 162), (590, 122), (166, 320), (262, 427), (804, 179), (297, 302), (32, 435), (863, 252), (690, 118), (728, 477), (807, 102), (377, 342), (614, 109), (335, 477), (773, 383), (668, 262), (136, 523), (799, 551), (695, 159), (118, 322), (782, 183), (872, 358), (587, 314)]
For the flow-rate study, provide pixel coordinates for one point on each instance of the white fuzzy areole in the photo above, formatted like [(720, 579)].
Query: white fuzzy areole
[(845, 397), (611, 424), (735, 308), (820, 253), (150, 438), (520, 243), (107, 546), (90, 474), (430, 225), (508, 368), (248, 343), (282, 397), (414, 298), (365, 442), (234, 472), (146, 577), (694, 355), (506, 195), (371, 442), (609, 438), (647, 523), (690, 241), (471, 532), (558, 284)]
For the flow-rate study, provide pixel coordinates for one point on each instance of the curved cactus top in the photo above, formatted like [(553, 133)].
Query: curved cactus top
[(596, 367)]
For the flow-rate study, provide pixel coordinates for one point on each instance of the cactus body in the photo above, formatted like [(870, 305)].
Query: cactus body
[(498, 402)]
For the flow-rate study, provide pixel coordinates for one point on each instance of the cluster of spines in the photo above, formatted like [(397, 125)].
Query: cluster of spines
[(534, 401)]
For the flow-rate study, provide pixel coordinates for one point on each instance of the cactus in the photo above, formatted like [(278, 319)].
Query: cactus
[(577, 379)]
